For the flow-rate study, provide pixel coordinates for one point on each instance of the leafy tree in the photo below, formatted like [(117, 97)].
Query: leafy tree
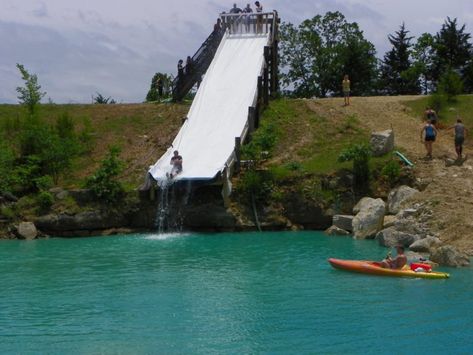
[(360, 154), (104, 184), (452, 49), (422, 54), (397, 74), (166, 80), (30, 95), (317, 54)]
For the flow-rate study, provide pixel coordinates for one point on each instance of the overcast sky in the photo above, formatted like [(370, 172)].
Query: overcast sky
[(79, 48)]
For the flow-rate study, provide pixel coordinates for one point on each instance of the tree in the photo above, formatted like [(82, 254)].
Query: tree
[(422, 54), (30, 95), (452, 49), (316, 55), (397, 74), (166, 80)]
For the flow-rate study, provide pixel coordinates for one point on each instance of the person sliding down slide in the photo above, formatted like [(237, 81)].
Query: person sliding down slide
[(398, 262), (176, 162)]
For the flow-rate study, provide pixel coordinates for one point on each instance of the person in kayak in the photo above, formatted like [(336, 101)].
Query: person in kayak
[(395, 263)]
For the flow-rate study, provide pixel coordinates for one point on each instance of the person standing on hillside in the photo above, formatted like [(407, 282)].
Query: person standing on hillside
[(159, 85), (429, 138), (346, 89), (460, 133), (430, 115)]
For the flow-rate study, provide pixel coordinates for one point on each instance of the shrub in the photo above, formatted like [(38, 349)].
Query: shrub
[(44, 200), (450, 85), (360, 155), (392, 172), (437, 101), (7, 212), (44, 183), (104, 183), (7, 163), (257, 184)]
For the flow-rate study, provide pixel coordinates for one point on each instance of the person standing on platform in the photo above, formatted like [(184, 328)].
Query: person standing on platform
[(259, 18), (247, 11)]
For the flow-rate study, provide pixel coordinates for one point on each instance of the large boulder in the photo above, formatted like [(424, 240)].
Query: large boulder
[(343, 222), (390, 237), (369, 219), (334, 230), (88, 220), (397, 196), (382, 142), (362, 204), (449, 256), (27, 230), (424, 245)]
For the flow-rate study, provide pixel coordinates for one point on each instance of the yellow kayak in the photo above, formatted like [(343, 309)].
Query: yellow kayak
[(374, 268)]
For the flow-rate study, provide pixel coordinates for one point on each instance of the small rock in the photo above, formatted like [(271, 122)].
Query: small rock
[(449, 256), (343, 222), (389, 221), (62, 195), (27, 230), (334, 230)]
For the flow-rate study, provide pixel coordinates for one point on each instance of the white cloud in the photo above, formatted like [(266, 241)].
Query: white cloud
[(115, 47)]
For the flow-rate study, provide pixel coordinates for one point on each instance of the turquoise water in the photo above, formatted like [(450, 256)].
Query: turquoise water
[(219, 294)]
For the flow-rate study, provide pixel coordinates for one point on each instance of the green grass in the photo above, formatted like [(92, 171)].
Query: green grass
[(313, 141), (462, 108)]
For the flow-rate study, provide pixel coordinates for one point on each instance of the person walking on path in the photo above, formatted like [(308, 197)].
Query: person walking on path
[(430, 115), (346, 90), (460, 133), (429, 137)]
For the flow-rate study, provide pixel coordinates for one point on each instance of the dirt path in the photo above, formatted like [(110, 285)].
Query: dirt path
[(449, 190)]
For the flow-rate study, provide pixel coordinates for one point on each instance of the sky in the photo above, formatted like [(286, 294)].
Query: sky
[(114, 47)]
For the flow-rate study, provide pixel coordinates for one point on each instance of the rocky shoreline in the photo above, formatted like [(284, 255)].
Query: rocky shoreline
[(398, 222)]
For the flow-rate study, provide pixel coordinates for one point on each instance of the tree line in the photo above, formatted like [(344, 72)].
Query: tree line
[(315, 55)]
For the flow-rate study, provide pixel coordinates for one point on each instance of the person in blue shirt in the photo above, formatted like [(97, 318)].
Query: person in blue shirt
[(429, 137)]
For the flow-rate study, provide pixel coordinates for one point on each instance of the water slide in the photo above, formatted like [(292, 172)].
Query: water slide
[(219, 111)]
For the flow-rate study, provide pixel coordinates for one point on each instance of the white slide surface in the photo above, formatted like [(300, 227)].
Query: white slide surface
[(219, 111)]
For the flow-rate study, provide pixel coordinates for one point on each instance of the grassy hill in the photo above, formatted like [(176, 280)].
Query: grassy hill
[(143, 131)]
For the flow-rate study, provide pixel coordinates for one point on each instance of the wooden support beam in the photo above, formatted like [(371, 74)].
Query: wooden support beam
[(252, 125), (265, 86)]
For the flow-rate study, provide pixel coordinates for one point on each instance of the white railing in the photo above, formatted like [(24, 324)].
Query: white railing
[(249, 23)]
